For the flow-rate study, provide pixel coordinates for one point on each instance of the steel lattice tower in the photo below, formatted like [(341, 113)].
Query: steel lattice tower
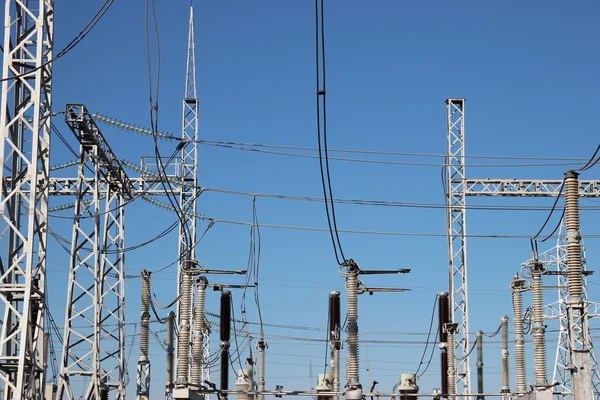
[(24, 153), (556, 258), (188, 176), (456, 234), (94, 337)]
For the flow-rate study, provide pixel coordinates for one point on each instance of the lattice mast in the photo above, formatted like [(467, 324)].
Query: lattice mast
[(94, 336), (25, 110), (457, 246), (187, 200)]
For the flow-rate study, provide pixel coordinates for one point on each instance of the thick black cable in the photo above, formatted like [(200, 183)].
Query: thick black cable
[(428, 334), (324, 169), (589, 164), (71, 45), (562, 185), (430, 355)]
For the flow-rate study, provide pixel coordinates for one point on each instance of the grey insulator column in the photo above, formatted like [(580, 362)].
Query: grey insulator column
[(262, 346), (198, 335), (170, 354), (504, 354), (537, 270), (517, 287), (183, 340)]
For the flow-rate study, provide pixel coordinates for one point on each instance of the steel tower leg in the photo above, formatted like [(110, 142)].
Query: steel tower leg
[(25, 109), (78, 355), (111, 304), (456, 234), (189, 175)]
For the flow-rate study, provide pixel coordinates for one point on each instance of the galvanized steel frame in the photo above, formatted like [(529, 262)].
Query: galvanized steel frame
[(25, 112)]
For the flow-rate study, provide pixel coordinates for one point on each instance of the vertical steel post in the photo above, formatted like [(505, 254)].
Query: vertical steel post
[(25, 122), (456, 235)]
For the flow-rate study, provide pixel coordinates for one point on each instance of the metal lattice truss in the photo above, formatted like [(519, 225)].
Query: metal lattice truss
[(25, 109), (525, 188), (94, 337), (457, 188), (456, 234), (189, 175), (555, 259)]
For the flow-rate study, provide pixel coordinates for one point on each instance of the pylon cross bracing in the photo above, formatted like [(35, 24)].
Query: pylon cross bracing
[(25, 111), (458, 187)]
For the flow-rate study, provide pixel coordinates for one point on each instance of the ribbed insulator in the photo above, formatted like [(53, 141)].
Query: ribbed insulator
[(198, 338), (451, 349), (261, 369), (145, 316), (505, 378), (539, 331), (336, 369), (517, 299), (573, 238), (183, 341), (352, 362)]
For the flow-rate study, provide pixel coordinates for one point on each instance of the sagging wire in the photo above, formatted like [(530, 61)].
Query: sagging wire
[(322, 130), (154, 114), (534, 242), (71, 45), (428, 334)]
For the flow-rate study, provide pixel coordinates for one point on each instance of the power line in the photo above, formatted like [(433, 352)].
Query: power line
[(71, 45), (249, 146)]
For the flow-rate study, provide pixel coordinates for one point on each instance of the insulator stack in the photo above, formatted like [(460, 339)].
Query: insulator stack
[(573, 236), (262, 345), (408, 387), (145, 315), (225, 336), (480, 366), (352, 362), (443, 322), (517, 287), (451, 350), (539, 330), (198, 336), (504, 353), (170, 354), (183, 341)]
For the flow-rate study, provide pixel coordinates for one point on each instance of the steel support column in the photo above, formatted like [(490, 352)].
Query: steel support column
[(455, 189), (25, 110)]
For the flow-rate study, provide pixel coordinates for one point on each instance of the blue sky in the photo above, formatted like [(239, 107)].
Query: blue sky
[(527, 69)]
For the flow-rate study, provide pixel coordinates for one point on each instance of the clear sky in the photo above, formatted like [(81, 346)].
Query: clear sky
[(529, 72)]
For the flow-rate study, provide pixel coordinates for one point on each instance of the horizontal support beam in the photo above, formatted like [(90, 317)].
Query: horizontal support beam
[(525, 188), (68, 186)]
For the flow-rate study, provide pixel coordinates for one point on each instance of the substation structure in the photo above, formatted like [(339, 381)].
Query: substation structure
[(574, 335), (94, 325)]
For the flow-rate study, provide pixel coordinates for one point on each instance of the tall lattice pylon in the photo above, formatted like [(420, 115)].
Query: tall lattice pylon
[(455, 181), (25, 110), (556, 260), (188, 189), (94, 337)]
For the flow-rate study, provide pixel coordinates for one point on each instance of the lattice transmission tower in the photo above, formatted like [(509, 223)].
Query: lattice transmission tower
[(94, 334), (25, 111)]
